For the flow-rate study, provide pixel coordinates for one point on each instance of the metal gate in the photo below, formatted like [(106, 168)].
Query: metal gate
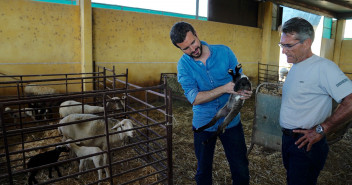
[(144, 159)]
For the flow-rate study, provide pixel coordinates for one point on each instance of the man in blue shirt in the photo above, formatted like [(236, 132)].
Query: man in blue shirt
[(203, 75)]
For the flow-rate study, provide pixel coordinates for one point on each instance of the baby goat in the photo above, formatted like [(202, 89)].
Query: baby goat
[(233, 105), (48, 157)]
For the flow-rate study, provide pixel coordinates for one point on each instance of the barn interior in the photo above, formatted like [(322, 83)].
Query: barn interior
[(99, 52)]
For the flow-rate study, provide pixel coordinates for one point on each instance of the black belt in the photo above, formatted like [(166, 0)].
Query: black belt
[(289, 132)]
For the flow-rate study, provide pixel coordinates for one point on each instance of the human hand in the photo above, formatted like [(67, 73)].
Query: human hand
[(244, 94), (310, 137), (228, 88)]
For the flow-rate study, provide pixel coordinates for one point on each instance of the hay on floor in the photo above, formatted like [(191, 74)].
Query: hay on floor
[(265, 165)]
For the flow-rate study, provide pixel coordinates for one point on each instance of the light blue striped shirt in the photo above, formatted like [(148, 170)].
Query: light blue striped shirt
[(194, 77)]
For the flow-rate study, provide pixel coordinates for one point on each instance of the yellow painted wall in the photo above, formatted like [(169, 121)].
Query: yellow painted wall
[(39, 38), (346, 57), (141, 43), (327, 51), (275, 49), (327, 48)]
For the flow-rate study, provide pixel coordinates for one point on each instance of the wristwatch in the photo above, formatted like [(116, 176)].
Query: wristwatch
[(320, 130)]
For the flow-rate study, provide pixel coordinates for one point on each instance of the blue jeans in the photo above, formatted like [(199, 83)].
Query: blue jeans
[(236, 153), (303, 167)]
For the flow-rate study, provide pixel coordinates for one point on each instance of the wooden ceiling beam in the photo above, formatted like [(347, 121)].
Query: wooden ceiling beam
[(344, 16), (340, 3), (305, 7)]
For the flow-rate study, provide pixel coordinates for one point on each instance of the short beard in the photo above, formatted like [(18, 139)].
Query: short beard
[(200, 52)]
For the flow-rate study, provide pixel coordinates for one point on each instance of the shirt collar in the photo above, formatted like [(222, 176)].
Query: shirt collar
[(307, 60)]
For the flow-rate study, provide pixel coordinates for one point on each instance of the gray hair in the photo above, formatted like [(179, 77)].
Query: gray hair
[(179, 31), (301, 27)]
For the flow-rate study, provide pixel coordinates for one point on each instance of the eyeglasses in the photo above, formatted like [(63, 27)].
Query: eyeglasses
[(288, 46)]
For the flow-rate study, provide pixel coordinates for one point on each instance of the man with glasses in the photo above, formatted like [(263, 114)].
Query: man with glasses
[(203, 75), (305, 115)]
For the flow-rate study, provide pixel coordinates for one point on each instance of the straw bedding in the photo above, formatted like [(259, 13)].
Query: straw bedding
[(265, 165)]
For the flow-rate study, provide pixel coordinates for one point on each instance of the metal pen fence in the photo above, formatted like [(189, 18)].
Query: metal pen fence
[(268, 73), (271, 73), (171, 82), (145, 159)]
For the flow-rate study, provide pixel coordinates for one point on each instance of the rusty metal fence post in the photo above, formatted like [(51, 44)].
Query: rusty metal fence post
[(168, 117), (7, 155)]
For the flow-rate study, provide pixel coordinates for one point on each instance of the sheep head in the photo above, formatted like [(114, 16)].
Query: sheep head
[(116, 103), (125, 124)]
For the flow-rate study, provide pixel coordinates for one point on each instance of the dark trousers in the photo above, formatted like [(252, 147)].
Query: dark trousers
[(235, 149), (303, 167)]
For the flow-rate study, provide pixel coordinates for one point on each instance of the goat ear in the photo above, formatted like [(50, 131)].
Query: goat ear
[(123, 97), (230, 71), (238, 67)]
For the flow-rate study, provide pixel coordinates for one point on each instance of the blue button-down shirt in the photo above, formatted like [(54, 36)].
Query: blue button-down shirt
[(195, 77)]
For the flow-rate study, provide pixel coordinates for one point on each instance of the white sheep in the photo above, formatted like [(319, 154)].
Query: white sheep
[(34, 89), (98, 160), (75, 107), (93, 128)]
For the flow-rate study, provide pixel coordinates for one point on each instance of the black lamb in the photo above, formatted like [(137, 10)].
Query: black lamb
[(48, 157)]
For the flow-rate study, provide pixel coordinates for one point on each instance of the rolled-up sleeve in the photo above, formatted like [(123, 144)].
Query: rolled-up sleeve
[(187, 82)]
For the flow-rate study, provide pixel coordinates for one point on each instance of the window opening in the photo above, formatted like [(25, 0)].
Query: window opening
[(348, 30)]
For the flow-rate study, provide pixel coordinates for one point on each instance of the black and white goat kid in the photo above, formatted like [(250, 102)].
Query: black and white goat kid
[(233, 105)]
